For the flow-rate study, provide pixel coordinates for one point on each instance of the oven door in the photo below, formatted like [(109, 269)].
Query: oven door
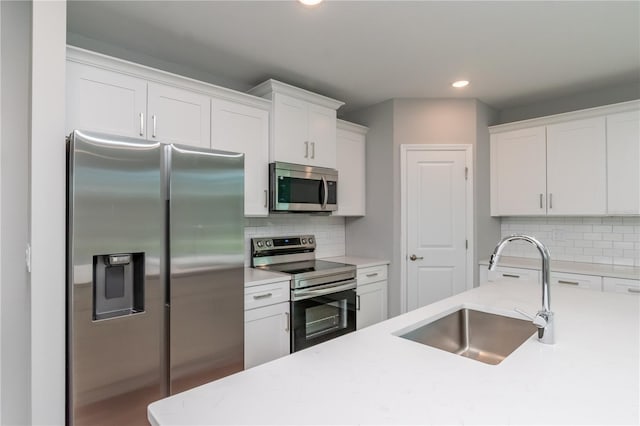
[(316, 319), (303, 188)]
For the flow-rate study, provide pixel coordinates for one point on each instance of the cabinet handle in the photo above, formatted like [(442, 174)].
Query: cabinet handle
[(266, 198), (568, 282), (287, 326), (550, 200), (313, 150), (142, 124), (153, 119), (510, 276), (306, 149), (540, 200), (633, 290), (262, 296), (375, 274), (358, 302)]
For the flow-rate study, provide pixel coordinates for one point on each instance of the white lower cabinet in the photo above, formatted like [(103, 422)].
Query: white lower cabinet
[(266, 323), (371, 296), (503, 273), (621, 285), (587, 282)]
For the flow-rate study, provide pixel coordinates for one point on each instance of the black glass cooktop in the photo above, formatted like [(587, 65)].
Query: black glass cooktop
[(295, 268)]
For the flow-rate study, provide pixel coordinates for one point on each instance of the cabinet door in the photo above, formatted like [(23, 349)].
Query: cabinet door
[(322, 136), (518, 172), (241, 128), (179, 116), (105, 101), (351, 171), (290, 142), (266, 334), (576, 168), (623, 163), (371, 304)]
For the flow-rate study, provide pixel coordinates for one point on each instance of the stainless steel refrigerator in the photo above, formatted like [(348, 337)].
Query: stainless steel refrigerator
[(155, 273)]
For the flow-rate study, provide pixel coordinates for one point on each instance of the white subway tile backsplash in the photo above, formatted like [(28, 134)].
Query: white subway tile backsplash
[(608, 240), (328, 230)]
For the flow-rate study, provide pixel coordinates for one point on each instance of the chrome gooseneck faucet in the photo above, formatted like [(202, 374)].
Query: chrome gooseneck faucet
[(544, 318)]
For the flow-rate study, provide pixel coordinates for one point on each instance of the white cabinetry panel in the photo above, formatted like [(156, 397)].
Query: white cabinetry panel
[(105, 101), (266, 334), (518, 172), (242, 128), (623, 163), (371, 304), (504, 273), (620, 285), (588, 282), (351, 161), (179, 116), (322, 136), (576, 167)]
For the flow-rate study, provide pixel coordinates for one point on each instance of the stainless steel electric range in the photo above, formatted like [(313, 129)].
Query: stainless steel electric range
[(323, 294)]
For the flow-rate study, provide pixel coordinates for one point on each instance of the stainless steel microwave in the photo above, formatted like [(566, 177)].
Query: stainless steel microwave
[(299, 188)]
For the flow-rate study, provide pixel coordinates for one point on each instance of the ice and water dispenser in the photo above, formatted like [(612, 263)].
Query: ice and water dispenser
[(118, 281)]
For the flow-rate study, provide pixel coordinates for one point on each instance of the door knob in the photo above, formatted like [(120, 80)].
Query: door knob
[(414, 257)]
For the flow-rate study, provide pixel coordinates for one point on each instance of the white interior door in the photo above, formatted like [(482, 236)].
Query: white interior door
[(436, 225)]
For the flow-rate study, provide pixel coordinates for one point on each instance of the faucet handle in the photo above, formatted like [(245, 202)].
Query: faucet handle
[(540, 321)]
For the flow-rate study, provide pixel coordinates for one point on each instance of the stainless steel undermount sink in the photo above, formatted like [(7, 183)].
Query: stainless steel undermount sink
[(478, 335)]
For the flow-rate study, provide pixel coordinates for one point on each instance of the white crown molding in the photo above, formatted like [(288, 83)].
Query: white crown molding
[(83, 56), (351, 127), (267, 88), (568, 116)]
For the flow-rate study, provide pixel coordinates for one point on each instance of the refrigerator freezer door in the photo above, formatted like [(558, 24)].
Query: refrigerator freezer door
[(207, 265), (115, 308)]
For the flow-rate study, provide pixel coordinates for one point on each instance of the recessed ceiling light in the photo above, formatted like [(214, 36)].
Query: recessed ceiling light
[(460, 83), (310, 2)]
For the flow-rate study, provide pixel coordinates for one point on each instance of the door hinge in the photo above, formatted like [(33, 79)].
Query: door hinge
[(466, 244), (466, 173), (27, 257)]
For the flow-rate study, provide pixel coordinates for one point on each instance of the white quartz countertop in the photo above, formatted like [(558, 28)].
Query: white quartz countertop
[(360, 262), (590, 376), (255, 276), (614, 271)]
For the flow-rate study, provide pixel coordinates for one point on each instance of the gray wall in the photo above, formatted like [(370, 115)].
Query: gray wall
[(373, 234), (590, 99), (416, 121), (486, 228), (15, 39)]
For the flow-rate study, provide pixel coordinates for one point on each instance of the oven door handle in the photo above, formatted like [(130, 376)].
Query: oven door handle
[(321, 290)]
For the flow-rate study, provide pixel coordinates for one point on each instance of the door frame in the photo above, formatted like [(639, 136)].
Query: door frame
[(405, 151)]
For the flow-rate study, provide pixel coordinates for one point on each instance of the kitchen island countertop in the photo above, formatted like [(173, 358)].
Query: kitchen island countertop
[(590, 376)]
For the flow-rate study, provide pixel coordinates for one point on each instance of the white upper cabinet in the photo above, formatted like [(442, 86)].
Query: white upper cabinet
[(576, 168), (303, 125), (105, 101), (351, 169), (178, 116), (518, 172), (242, 128), (574, 164), (623, 163)]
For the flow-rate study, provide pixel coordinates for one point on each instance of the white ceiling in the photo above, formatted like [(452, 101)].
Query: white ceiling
[(365, 52)]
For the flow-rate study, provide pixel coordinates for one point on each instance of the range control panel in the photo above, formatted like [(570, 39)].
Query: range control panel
[(292, 244)]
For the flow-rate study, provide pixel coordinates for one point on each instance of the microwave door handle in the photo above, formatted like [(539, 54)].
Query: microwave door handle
[(326, 192)]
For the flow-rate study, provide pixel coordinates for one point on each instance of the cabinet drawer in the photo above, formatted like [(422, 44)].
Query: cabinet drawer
[(267, 294), (621, 285), (371, 274), (588, 282), (502, 273)]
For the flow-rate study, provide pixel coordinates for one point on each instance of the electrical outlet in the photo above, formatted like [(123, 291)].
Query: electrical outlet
[(558, 235)]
